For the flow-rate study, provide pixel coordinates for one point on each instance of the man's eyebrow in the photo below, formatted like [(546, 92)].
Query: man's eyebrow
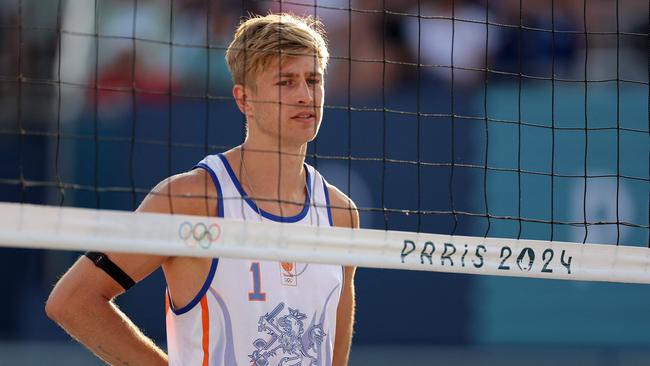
[(293, 74), (285, 75)]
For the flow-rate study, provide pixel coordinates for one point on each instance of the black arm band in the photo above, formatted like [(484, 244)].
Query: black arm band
[(102, 261)]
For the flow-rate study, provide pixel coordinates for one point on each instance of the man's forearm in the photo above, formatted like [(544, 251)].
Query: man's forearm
[(342, 346), (345, 321), (110, 335)]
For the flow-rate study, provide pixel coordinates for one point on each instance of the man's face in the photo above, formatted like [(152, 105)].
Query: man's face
[(287, 101)]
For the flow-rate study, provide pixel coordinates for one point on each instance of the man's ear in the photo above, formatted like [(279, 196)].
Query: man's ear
[(240, 93)]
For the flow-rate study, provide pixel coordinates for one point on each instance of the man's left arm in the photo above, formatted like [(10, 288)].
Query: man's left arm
[(345, 320), (344, 214)]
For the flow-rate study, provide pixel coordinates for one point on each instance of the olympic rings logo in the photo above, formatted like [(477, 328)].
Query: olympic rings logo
[(199, 233)]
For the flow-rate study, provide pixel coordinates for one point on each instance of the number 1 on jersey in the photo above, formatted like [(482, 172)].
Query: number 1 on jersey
[(257, 294)]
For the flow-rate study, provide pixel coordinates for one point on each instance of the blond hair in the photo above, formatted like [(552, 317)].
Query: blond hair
[(262, 40)]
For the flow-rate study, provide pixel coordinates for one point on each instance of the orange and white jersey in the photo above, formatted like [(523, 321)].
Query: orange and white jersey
[(252, 312)]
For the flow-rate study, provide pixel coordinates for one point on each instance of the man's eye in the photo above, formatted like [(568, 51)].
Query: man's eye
[(284, 82), (313, 81)]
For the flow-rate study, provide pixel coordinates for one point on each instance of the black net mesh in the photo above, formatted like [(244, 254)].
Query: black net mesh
[(503, 118)]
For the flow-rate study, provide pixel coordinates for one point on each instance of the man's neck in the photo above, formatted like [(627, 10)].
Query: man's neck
[(272, 173)]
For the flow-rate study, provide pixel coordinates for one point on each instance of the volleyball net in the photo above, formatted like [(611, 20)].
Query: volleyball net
[(475, 137)]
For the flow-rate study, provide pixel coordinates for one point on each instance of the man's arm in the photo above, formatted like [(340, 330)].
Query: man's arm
[(344, 214), (82, 301), (82, 304)]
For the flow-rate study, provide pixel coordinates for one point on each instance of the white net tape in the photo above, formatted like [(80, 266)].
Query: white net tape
[(62, 228)]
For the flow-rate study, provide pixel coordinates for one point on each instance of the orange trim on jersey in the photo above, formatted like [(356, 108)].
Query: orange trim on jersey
[(205, 322), (166, 302)]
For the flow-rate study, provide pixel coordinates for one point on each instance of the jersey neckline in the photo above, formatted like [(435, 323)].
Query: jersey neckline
[(251, 203)]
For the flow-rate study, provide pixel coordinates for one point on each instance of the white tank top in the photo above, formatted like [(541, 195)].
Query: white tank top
[(252, 312)]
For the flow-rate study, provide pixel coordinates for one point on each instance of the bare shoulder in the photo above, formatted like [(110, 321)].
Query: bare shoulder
[(189, 193), (344, 211)]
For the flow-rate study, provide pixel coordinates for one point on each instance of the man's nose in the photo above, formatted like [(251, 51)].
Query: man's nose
[(305, 93)]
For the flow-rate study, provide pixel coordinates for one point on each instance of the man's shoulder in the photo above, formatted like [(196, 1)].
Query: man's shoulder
[(195, 181), (190, 193), (337, 197), (344, 210)]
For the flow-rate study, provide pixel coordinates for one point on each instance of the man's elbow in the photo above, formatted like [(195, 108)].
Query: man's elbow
[(55, 306), (64, 302)]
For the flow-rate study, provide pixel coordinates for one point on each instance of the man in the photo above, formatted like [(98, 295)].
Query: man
[(231, 311)]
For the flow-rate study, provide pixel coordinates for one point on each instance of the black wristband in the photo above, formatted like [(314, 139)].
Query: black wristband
[(102, 261)]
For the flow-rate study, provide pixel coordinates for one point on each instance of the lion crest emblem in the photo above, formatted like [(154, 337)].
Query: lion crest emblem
[(289, 342)]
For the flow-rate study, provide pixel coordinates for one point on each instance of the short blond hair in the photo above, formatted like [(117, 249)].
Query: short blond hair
[(262, 40)]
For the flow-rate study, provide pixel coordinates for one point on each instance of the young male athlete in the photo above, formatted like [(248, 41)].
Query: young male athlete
[(231, 311)]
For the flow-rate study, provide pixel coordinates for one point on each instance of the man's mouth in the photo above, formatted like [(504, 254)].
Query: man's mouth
[(306, 117)]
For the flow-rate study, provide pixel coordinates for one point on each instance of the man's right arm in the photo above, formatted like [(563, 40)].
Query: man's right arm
[(82, 301), (82, 304)]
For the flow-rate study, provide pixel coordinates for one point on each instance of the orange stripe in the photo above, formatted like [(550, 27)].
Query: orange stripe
[(166, 302), (205, 321)]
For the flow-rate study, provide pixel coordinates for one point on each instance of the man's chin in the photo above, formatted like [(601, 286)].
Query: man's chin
[(297, 140)]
